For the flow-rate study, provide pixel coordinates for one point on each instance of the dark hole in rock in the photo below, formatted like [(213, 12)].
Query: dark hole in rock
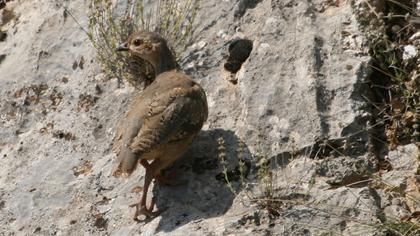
[(3, 3), (75, 65), (7, 16), (37, 230), (239, 51), (63, 135), (3, 36), (65, 14), (244, 5), (81, 62), (98, 89), (100, 222), (42, 54), (2, 57)]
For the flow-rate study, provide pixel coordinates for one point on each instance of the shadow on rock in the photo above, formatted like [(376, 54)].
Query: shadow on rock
[(204, 195)]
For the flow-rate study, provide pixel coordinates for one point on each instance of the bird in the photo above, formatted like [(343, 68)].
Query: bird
[(162, 121)]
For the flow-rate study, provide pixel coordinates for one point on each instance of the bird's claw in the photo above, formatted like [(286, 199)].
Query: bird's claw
[(142, 209)]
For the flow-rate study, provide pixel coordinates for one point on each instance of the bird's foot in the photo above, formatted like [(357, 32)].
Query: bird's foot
[(142, 209)]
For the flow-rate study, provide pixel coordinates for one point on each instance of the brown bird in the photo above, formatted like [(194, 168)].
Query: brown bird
[(162, 121)]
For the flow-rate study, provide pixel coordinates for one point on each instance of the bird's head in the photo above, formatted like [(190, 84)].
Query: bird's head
[(150, 47)]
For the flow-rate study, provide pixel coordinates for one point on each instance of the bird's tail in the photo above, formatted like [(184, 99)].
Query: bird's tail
[(126, 163)]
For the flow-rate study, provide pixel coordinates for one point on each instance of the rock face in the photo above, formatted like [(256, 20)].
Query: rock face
[(299, 100)]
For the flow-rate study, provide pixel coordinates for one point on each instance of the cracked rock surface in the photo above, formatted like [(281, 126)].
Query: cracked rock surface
[(299, 99)]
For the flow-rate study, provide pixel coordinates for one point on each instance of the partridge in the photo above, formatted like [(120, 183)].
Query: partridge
[(163, 119)]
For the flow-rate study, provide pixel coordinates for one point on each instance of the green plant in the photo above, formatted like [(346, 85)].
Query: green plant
[(224, 164), (399, 227), (395, 81), (257, 177), (110, 25)]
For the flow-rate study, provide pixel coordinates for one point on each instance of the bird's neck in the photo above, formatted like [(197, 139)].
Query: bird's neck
[(163, 61), (164, 66)]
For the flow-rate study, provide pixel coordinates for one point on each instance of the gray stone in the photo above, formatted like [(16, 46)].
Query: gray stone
[(404, 158), (396, 179), (397, 210), (410, 51), (346, 171), (297, 101)]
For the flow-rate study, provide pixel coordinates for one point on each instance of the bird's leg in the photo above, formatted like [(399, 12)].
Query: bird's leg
[(152, 204), (144, 163), (141, 208)]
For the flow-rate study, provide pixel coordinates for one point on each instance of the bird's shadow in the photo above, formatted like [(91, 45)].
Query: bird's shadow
[(204, 194)]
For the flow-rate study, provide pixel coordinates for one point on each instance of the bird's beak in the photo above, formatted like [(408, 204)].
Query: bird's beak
[(122, 47)]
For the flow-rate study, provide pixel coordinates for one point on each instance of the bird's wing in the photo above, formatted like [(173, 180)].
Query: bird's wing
[(166, 120), (127, 130), (129, 126), (147, 104), (170, 109)]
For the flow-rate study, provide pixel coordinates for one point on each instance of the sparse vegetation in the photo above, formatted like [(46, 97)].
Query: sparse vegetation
[(257, 177), (110, 25), (398, 227), (396, 76), (394, 82), (223, 161)]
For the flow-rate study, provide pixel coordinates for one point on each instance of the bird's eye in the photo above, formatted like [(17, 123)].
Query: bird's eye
[(138, 42)]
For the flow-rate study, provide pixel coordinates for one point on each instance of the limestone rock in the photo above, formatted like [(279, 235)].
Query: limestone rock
[(299, 100)]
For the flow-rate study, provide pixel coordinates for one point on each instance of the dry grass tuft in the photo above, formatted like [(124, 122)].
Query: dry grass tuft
[(111, 24)]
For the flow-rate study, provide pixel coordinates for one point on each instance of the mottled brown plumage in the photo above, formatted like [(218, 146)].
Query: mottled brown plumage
[(162, 121)]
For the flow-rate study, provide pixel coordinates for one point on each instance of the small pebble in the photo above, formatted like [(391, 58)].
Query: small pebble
[(409, 52)]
